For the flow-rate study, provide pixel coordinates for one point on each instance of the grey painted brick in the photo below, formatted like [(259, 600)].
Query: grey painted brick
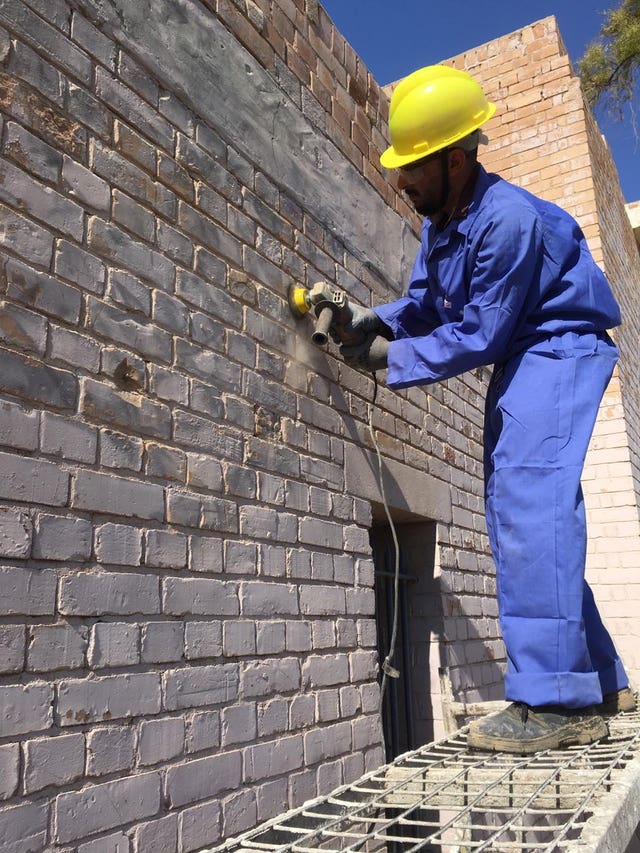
[(360, 601), (271, 795), (15, 533), (53, 761), (316, 600), (363, 665), (25, 238), (273, 457), (9, 770), (84, 108), (329, 742), (54, 647), (24, 828), (116, 843), (137, 78), (210, 298), (26, 591), (204, 435), (12, 648), (212, 235), (302, 712), (134, 147), (23, 329), (85, 186), (32, 68), (204, 397), (367, 732), (220, 515), (203, 731), (205, 554), (199, 826), (273, 561), (168, 384), (327, 706), (239, 812), (270, 394), (159, 836), (165, 549), (106, 493), (26, 193), (96, 593), (174, 244), (325, 670), (161, 642), (74, 348), (32, 380), (32, 153), (322, 566), (238, 724), (202, 640), (259, 598), (102, 807), (183, 508), (25, 708), (174, 176), (317, 531), (78, 266), (118, 544), (122, 173), (299, 564), (266, 760), (239, 638), (200, 596), (58, 537), (195, 686), (208, 365), (132, 412), (110, 749), (240, 481), (263, 678), (129, 291), (118, 325), (117, 246), (273, 717), (270, 637), (160, 740), (169, 313), (121, 451), (240, 558), (110, 697), (298, 636), (114, 644), (18, 426), (203, 778)]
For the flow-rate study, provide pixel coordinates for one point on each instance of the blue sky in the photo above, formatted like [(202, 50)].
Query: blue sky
[(395, 38)]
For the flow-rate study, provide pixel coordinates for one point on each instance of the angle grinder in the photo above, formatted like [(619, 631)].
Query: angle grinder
[(332, 311)]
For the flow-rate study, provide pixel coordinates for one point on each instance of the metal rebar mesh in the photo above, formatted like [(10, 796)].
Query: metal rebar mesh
[(446, 798)]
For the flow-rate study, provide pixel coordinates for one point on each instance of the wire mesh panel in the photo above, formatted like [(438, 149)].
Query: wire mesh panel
[(446, 798)]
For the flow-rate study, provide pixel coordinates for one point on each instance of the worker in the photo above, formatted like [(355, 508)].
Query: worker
[(504, 278)]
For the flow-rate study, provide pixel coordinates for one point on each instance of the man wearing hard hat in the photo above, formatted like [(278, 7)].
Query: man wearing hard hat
[(505, 278)]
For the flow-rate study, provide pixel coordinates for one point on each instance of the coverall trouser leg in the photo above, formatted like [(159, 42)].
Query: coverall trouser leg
[(540, 413)]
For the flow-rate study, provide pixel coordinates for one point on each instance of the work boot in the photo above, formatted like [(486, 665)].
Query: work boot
[(521, 729), (616, 703)]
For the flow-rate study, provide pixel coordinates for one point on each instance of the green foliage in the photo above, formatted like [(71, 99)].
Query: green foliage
[(610, 64)]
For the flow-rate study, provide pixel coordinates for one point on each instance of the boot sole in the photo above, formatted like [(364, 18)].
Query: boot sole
[(582, 733)]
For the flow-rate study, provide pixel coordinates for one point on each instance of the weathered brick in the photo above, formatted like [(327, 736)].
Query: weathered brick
[(54, 647), (265, 523), (131, 107), (32, 153), (85, 186), (239, 639), (262, 678), (53, 761), (268, 599), (78, 266), (196, 686), (199, 826), (325, 670), (203, 778), (115, 245), (118, 450), (270, 637), (114, 644), (133, 412), (102, 807), (165, 549), (93, 41), (9, 770), (73, 348), (132, 216), (24, 827), (203, 731), (118, 325), (32, 380), (105, 493), (208, 365), (110, 697), (160, 740), (26, 591), (200, 596), (19, 426), (239, 813), (25, 708), (319, 600), (97, 593), (116, 843), (58, 537), (328, 742), (110, 749), (317, 531)]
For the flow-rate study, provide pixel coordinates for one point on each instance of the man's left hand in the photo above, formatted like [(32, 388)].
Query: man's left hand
[(371, 354)]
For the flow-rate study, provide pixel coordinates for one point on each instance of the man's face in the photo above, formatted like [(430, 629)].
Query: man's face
[(423, 184)]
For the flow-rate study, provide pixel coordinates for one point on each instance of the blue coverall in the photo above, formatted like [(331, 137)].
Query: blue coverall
[(513, 284)]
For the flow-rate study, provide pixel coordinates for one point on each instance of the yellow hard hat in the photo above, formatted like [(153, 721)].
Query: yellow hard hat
[(432, 109)]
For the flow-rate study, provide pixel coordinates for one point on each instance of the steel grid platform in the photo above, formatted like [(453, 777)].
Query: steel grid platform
[(444, 797)]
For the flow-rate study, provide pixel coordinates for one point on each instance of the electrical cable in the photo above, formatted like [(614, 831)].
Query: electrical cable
[(388, 670)]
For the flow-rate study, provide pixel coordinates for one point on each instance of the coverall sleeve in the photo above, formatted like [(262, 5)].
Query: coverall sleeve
[(414, 314), (503, 263)]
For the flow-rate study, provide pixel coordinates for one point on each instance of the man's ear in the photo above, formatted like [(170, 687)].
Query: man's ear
[(457, 160)]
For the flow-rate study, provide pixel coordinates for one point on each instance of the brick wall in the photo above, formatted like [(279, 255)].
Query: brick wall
[(187, 618)]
